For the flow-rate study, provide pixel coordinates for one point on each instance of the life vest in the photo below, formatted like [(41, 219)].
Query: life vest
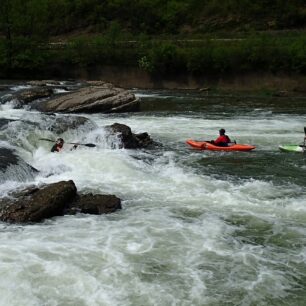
[(222, 141)]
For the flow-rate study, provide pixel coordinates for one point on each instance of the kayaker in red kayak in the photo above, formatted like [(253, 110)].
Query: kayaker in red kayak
[(223, 140)]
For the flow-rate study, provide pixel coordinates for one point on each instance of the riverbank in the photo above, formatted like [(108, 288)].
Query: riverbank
[(132, 77), (247, 82)]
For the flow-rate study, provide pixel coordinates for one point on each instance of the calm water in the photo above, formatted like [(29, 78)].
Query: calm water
[(196, 228)]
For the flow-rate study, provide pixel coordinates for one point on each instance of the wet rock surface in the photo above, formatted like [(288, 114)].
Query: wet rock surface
[(35, 204), (39, 204), (128, 139), (95, 204), (12, 167), (64, 123), (103, 98), (30, 95), (4, 122), (44, 83)]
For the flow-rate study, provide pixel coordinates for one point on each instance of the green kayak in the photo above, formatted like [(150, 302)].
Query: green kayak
[(292, 148)]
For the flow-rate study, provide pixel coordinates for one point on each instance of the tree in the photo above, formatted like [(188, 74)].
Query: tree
[(6, 28)]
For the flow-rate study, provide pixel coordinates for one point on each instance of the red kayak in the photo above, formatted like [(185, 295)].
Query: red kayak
[(205, 145)]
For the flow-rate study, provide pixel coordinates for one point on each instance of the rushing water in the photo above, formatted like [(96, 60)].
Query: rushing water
[(196, 228)]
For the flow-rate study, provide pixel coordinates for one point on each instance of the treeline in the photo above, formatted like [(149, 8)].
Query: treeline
[(155, 35), (211, 56), (53, 17), (166, 57)]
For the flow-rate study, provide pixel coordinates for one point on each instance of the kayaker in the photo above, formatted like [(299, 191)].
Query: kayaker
[(57, 147), (223, 140)]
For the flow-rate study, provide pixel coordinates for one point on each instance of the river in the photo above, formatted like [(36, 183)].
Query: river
[(196, 228)]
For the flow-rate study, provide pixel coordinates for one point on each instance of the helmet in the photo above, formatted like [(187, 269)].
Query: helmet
[(222, 131), (60, 140)]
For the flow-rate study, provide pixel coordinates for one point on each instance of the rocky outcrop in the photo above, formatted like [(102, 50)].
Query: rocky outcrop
[(39, 204), (103, 98), (128, 139), (95, 204), (36, 204), (12, 167)]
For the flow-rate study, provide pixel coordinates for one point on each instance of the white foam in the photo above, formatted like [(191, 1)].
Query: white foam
[(182, 237)]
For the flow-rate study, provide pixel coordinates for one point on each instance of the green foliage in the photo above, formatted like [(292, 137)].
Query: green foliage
[(129, 32), (163, 58)]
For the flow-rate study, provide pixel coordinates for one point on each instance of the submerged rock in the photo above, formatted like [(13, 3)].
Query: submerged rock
[(36, 204), (64, 123), (4, 122), (4, 87), (128, 139), (12, 167), (95, 204), (104, 98)]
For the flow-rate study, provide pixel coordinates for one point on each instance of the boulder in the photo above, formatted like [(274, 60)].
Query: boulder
[(12, 167), (38, 204), (95, 204), (35, 204), (104, 98), (127, 138)]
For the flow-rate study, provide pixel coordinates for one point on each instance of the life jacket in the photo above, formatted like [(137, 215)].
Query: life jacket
[(221, 140)]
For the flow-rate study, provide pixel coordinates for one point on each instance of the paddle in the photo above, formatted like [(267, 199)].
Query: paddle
[(90, 145)]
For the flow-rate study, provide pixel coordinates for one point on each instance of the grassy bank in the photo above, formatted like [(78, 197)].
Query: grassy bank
[(164, 57)]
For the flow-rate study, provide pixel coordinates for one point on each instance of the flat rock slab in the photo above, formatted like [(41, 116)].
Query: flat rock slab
[(92, 99)]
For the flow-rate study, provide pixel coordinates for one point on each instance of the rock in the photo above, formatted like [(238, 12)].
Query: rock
[(95, 204), (4, 122), (100, 84), (29, 95), (35, 204), (127, 138), (14, 168), (40, 204), (64, 123), (44, 83), (105, 99), (144, 140), (4, 87)]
